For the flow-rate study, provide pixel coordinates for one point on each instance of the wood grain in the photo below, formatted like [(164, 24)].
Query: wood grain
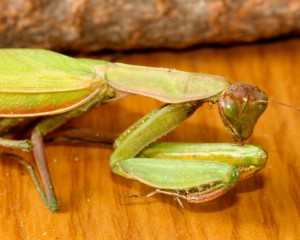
[(266, 206)]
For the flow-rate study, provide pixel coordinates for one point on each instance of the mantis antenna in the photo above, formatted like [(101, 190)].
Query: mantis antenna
[(282, 104)]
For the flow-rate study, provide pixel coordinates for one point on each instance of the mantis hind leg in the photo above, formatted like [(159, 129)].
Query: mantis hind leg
[(7, 126), (31, 172), (24, 145)]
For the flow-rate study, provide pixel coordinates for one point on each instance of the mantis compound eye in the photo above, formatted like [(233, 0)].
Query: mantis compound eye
[(240, 106)]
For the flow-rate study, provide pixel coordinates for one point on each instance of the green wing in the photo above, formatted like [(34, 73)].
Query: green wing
[(40, 82), (167, 85)]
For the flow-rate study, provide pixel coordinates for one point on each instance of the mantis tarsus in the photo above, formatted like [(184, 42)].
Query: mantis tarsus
[(47, 89)]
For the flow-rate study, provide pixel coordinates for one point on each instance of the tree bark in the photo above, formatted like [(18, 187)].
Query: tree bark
[(94, 25)]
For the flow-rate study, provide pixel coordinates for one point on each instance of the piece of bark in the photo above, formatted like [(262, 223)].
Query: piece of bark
[(94, 25)]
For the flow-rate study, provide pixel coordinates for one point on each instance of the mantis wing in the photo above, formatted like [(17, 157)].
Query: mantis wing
[(166, 85), (39, 82)]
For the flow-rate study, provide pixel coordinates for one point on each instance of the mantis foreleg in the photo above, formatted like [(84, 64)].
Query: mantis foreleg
[(151, 127), (196, 172)]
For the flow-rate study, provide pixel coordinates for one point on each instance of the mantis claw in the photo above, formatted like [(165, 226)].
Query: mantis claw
[(157, 191), (193, 195)]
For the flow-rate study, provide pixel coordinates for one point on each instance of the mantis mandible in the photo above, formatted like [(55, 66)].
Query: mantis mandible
[(47, 89)]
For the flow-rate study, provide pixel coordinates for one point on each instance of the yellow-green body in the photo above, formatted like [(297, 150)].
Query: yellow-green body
[(39, 83)]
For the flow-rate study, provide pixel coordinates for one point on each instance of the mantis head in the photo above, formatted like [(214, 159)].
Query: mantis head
[(240, 106)]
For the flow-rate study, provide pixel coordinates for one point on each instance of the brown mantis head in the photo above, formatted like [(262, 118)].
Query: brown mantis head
[(240, 106)]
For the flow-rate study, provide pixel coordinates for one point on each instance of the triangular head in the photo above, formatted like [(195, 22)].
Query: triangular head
[(240, 106)]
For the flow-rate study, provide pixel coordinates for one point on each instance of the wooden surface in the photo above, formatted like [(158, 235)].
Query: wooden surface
[(266, 206)]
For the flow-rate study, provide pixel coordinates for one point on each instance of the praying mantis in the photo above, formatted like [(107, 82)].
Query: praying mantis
[(46, 89)]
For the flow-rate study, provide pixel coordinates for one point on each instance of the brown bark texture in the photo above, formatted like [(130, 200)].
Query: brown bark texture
[(94, 25)]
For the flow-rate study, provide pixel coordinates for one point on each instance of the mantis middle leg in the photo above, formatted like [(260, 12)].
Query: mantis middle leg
[(42, 128)]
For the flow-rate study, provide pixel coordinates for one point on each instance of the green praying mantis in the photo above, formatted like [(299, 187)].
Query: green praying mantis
[(46, 89)]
